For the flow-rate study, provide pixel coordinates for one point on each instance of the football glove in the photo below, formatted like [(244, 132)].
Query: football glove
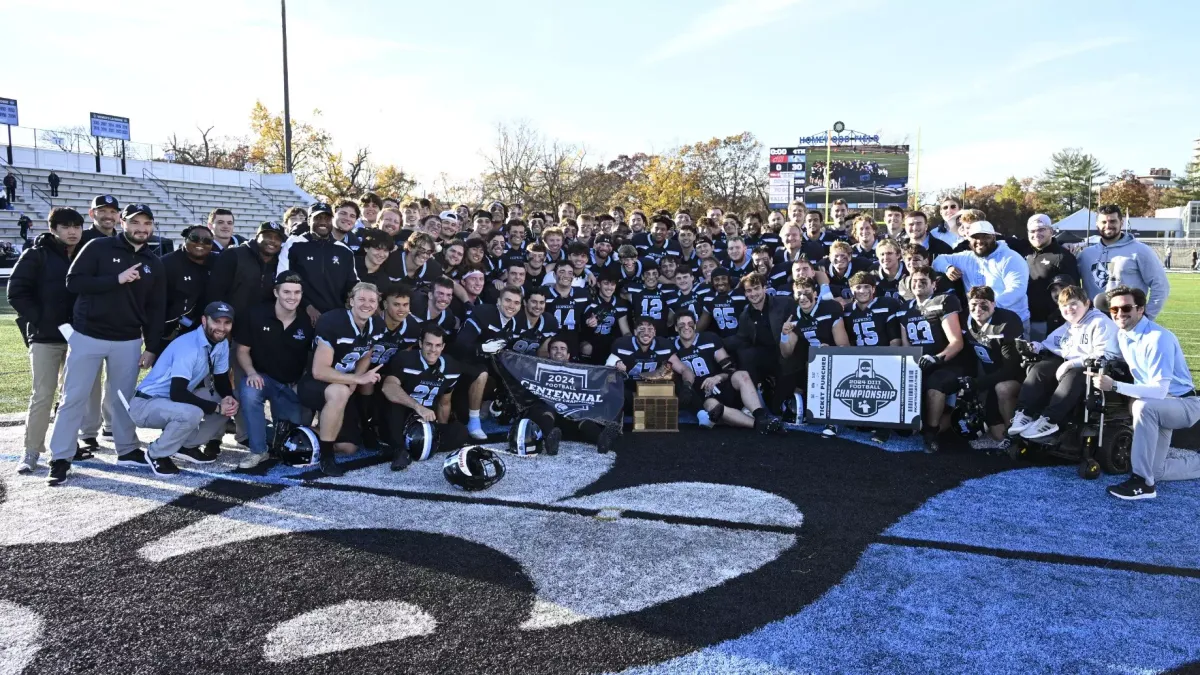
[(929, 361)]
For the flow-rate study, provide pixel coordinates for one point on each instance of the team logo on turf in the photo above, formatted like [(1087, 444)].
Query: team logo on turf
[(864, 392)]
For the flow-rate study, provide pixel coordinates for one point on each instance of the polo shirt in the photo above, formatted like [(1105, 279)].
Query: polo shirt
[(277, 352), (189, 356)]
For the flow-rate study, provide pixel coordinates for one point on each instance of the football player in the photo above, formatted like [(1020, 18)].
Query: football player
[(865, 235), (722, 305), (659, 244), (991, 332), (554, 425), (420, 382), (415, 262), (931, 322), (603, 319), (890, 270), (816, 238), (490, 329), (815, 323), (648, 300), (341, 366), (916, 225), (721, 390), (871, 320), (435, 307), (839, 267), (565, 301), (685, 300), (643, 353), (737, 260), (534, 328)]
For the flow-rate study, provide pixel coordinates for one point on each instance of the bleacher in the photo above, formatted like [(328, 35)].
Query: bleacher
[(175, 203)]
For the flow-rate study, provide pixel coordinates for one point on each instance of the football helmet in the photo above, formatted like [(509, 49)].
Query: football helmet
[(525, 437), (299, 447), (473, 468), (967, 417), (420, 438)]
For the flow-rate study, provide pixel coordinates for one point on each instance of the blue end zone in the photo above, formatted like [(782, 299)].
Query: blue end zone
[(919, 610)]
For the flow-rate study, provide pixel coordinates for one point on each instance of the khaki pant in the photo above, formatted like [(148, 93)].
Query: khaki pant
[(46, 361), (183, 424)]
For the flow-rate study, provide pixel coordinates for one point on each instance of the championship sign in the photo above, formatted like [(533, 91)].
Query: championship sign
[(573, 390), (865, 386)]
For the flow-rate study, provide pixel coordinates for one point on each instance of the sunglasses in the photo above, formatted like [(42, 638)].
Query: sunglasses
[(197, 239), (1121, 309)]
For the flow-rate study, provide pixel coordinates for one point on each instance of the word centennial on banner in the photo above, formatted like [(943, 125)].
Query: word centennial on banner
[(865, 386), (575, 391)]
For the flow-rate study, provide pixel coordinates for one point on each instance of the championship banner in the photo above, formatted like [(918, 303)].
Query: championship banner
[(865, 386), (575, 391)]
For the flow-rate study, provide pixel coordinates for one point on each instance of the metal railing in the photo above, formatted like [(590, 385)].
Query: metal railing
[(258, 186), (35, 191), (179, 200)]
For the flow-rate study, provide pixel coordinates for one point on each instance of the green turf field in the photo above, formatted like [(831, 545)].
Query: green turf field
[(1182, 316)]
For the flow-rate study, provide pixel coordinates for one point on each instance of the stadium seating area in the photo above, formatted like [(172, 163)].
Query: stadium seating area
[(175, 203)]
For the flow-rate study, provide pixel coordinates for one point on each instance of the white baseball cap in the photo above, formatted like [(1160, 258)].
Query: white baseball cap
[(981, 227), (1039, 219)]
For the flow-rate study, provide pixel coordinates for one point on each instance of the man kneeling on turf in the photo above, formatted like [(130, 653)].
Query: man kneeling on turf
[(420, 383), (171, 397), (340, 366), (554, 426), (722, 390)]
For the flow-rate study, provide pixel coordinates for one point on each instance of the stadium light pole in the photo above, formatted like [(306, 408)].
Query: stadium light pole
[(287, 106)]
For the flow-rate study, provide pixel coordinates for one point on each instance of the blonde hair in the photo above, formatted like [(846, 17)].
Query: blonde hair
[(361, 286), (840, 246)]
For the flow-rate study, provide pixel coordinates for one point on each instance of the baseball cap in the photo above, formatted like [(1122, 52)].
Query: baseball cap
[(320, 207), (981, 227), (448, 215), (1039, 219), (101, 201), (218, 310), (135, 209), (602, 239), (1063, 280), (270, 226)]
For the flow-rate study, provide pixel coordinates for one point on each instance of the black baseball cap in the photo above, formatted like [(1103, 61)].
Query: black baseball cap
[(218, 310), (101, 201), (271, 226), (604, 238), (135, 209), (1063, 280), (719, 271), (320, 207)]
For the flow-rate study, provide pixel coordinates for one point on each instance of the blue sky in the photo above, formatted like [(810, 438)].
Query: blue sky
[(995, 88)]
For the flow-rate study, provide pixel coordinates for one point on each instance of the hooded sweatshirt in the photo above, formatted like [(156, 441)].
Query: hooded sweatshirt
[(1004, 270), (1094, 336), (1125, 262)]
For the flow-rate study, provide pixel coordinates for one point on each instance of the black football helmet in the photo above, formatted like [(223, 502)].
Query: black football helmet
[(967, 417), (420, 438), (300, 447), (473, 468), (525, 437)]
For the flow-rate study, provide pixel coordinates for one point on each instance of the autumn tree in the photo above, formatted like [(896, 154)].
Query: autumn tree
[(1129, 193), (311, 147), (215, 152), (730, 171)]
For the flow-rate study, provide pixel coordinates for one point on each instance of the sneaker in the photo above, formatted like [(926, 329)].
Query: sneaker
[(1041, 428), (880, 436), (162, 466), (90, 444), (29, 463), (829, 431), (608, 438), (194, 455), (775, 425), (932, 445), (987, 443), (400, 459), (133, 458), (82, 452), (552, 440), (212, 449), (1020, 422), (252, 460), (475, 429), (329, 466), (106, 434), (1134, 488), (59, 468)]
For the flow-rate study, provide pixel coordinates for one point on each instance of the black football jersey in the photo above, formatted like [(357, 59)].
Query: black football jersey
[(638, 361), (816, 327), (701, 356), (529, 336), (337, 329), (874, 326), (424, 311), (653, 304), (839, 282), (406, 336), (607, 314), (769, 239), (988, 340), (657, 253), (690, 303), (725, 309), (567, 309), (922, 322), (422, 381), (889, 288)]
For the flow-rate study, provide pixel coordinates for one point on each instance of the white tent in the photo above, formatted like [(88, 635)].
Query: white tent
[(1083, 221)]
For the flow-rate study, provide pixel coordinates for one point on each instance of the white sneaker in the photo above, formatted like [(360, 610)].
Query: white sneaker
[(1020, 422), (252, 460), (1041, 428), (29, 464), (475, 429)]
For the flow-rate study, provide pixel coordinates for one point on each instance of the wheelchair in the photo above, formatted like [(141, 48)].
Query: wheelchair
[(1098, 433)]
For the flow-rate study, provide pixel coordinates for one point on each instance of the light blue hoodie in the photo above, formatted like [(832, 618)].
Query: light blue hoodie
[(1004, 270), (1125, 262)]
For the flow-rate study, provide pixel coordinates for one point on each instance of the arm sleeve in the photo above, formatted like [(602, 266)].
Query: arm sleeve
[(1014, 284), (22, 287), (1160, 364), (1157, 287), (181, 394), (83, 275), (222, 384)]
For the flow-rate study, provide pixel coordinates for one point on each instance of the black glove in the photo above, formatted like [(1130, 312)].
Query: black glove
[(929, 361)]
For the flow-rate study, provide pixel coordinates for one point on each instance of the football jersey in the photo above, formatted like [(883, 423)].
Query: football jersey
[(607, 315), (638, 361), (422, 381), (652, 304), (424, 311), (889, 288), (337, 329), (876, 325), (691, 303), (769, 239), (406, 336), (657, 253), (528, 337), (922, 322), (987, 341), (816, 327), (725, 309), (567, 309), (701, 356), (839, 282), (736, 272)]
